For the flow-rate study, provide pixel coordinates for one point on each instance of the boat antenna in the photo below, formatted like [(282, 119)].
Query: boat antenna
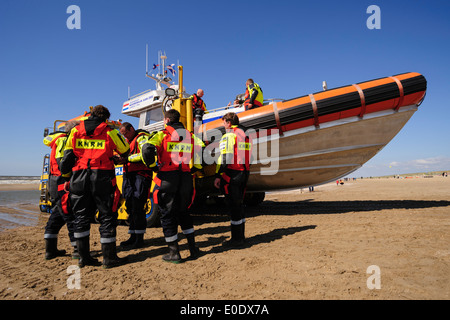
[(163, 58), (159, 78), (159, 61), (146, 58)]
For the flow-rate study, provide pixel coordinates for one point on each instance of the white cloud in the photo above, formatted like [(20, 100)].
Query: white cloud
[(395, 164), (430, 161)]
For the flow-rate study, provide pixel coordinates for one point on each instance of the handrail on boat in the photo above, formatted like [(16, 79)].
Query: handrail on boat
[(267, 101), (143, 92)]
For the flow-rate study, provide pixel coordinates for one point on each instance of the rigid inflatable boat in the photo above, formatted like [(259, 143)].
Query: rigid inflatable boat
[(327, 135), (308, 140)]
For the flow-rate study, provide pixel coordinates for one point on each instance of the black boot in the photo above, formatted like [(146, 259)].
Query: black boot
[(129, 242), (174, 253), (139, 243), (85, 253), (51, 249), (193, 249), (236, 240), (110, 258), (75, 253)]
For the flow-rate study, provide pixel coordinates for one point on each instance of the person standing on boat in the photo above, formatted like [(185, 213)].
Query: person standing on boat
[(58, 218), (253, 95), (174, 147), (88, 156), (137, 180), (198, 105), (232, 172)]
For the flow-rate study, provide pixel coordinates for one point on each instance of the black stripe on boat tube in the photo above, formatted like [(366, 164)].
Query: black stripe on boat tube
[(381, 93), (413, 85), (338, 103)]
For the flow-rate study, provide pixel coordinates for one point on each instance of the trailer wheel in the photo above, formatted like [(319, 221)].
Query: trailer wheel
[(152, 213), (44, 208)]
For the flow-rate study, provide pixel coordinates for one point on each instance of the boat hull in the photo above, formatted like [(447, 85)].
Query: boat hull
[(314, 156)]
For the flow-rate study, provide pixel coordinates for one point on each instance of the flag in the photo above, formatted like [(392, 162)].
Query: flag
[(171, 69), (155, 66)]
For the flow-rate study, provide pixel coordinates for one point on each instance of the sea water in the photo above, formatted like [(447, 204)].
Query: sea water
[(15, 204)]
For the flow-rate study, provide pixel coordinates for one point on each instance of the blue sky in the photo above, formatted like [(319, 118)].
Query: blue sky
[(49, 72)]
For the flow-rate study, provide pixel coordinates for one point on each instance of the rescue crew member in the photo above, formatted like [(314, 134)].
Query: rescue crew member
[(253, 95), (57, 219), (198, 105), (137, 180), (175, 147), (232, 172), (89, 155)]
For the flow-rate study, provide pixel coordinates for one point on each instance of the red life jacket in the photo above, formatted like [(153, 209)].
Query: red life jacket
[(135, 149), (94, 151), (242, 151), (54, 168), (258, 102), (174, 153), (197, 102)]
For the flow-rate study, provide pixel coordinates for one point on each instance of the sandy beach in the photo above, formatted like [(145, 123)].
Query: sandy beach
[(301, 245)]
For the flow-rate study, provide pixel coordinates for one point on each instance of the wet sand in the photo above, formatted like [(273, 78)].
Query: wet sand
[(19, 186), (300, 245)]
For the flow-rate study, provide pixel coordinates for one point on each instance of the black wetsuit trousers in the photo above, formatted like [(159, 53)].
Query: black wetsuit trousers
[(233, 185), (135, 190), (92, 190), (57, 218), (174, 192)]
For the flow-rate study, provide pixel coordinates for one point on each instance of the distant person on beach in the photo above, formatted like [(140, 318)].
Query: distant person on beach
[(58, 218), (137, 180), (88, 157)]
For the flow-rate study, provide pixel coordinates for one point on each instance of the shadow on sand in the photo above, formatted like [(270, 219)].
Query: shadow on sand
[(157, 246), (218, 214), (308, 206)]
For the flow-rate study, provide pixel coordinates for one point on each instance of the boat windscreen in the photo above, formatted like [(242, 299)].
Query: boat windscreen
[(152, 116)]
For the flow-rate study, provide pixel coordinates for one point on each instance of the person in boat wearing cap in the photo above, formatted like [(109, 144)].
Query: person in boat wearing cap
[(232, 172), (198, 105)]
